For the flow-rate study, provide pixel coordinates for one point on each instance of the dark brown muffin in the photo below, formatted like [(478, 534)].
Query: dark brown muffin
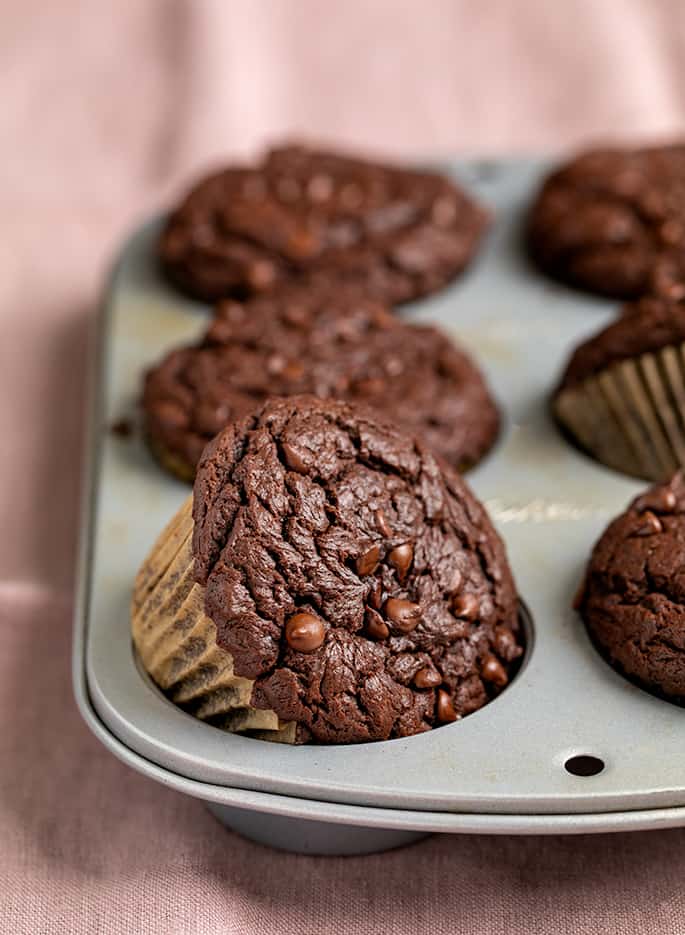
[(622, 395), (604, 221), (331, 343), (668, 275), (402, 234), (633, 599), (649, 324), (350, 574)]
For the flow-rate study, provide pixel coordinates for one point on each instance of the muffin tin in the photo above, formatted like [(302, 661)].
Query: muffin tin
[(505, 768)]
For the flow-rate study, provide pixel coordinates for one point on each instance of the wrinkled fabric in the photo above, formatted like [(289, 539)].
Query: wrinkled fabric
[(106, 110)]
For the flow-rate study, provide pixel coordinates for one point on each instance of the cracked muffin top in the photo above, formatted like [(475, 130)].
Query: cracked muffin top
[(328, 342), (350, 573), (242, 231), (633, 598)]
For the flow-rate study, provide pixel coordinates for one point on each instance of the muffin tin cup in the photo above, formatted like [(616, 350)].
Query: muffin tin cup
[(631, 416), (569, 746)]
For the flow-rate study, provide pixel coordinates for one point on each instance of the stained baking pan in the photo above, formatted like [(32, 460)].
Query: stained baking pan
[(569, 746)]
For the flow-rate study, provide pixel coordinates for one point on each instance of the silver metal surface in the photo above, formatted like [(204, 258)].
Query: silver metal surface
[(313, 837), (502, 768)]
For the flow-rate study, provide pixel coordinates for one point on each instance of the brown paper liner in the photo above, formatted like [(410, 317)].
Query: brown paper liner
[(631, 416), (176, 640)]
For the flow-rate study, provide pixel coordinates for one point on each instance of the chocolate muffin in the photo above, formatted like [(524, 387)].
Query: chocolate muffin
[(331, 343), (401, 233), (346, 572), (622, 395), (633, 598), (668, 276), (604, 221)]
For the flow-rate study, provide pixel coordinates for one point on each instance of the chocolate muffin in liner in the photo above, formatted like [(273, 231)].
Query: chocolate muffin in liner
[(632, 600), (335, 343), (177, 645), (622, 396), (243, 231), (329, 581)]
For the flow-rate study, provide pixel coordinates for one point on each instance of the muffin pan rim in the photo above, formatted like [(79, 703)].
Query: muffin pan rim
[(300, 811), (188, 762)]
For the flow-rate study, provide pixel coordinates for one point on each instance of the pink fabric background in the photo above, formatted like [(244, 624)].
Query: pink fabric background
[(106, 110)]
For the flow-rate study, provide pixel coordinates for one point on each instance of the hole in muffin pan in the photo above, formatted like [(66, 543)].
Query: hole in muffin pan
[(584, 765)]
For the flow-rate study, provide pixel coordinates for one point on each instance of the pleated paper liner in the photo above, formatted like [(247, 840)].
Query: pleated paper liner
[(631, 416), (176, 641)]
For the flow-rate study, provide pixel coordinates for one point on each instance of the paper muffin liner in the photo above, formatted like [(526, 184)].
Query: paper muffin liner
[(176, 641), (631, 416)]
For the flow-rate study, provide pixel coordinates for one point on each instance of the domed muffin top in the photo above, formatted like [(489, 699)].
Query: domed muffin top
[(240, 232), (328, 342), (605, 220), (351, 574), (649, 324), (633, 598)]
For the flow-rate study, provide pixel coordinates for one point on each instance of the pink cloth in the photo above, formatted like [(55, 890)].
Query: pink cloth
[(106, 110)]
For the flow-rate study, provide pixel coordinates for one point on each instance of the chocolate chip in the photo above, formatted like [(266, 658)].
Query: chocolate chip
[(342, 385), (304, 632), (293, 370), (661, 500), (375, 597), (444, 211), (261, 274), (671, 232), (444, 709), (372, 386), (466, 606), (382, 524), (672, 290), (404, 614), (301, 244), (293, 459), (492, 670), (122, 427), (427, 677), (648, 525), (320, 188), (171, 414), (376, 627), (230, 311), (367, 562), (382, 318), (505, 644), (393, 366), (411, 256), (296, 315), (275, 364), (401, 558), (219, 332)]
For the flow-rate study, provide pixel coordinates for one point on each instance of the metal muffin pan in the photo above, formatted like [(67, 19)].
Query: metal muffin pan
[(501, 769)]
